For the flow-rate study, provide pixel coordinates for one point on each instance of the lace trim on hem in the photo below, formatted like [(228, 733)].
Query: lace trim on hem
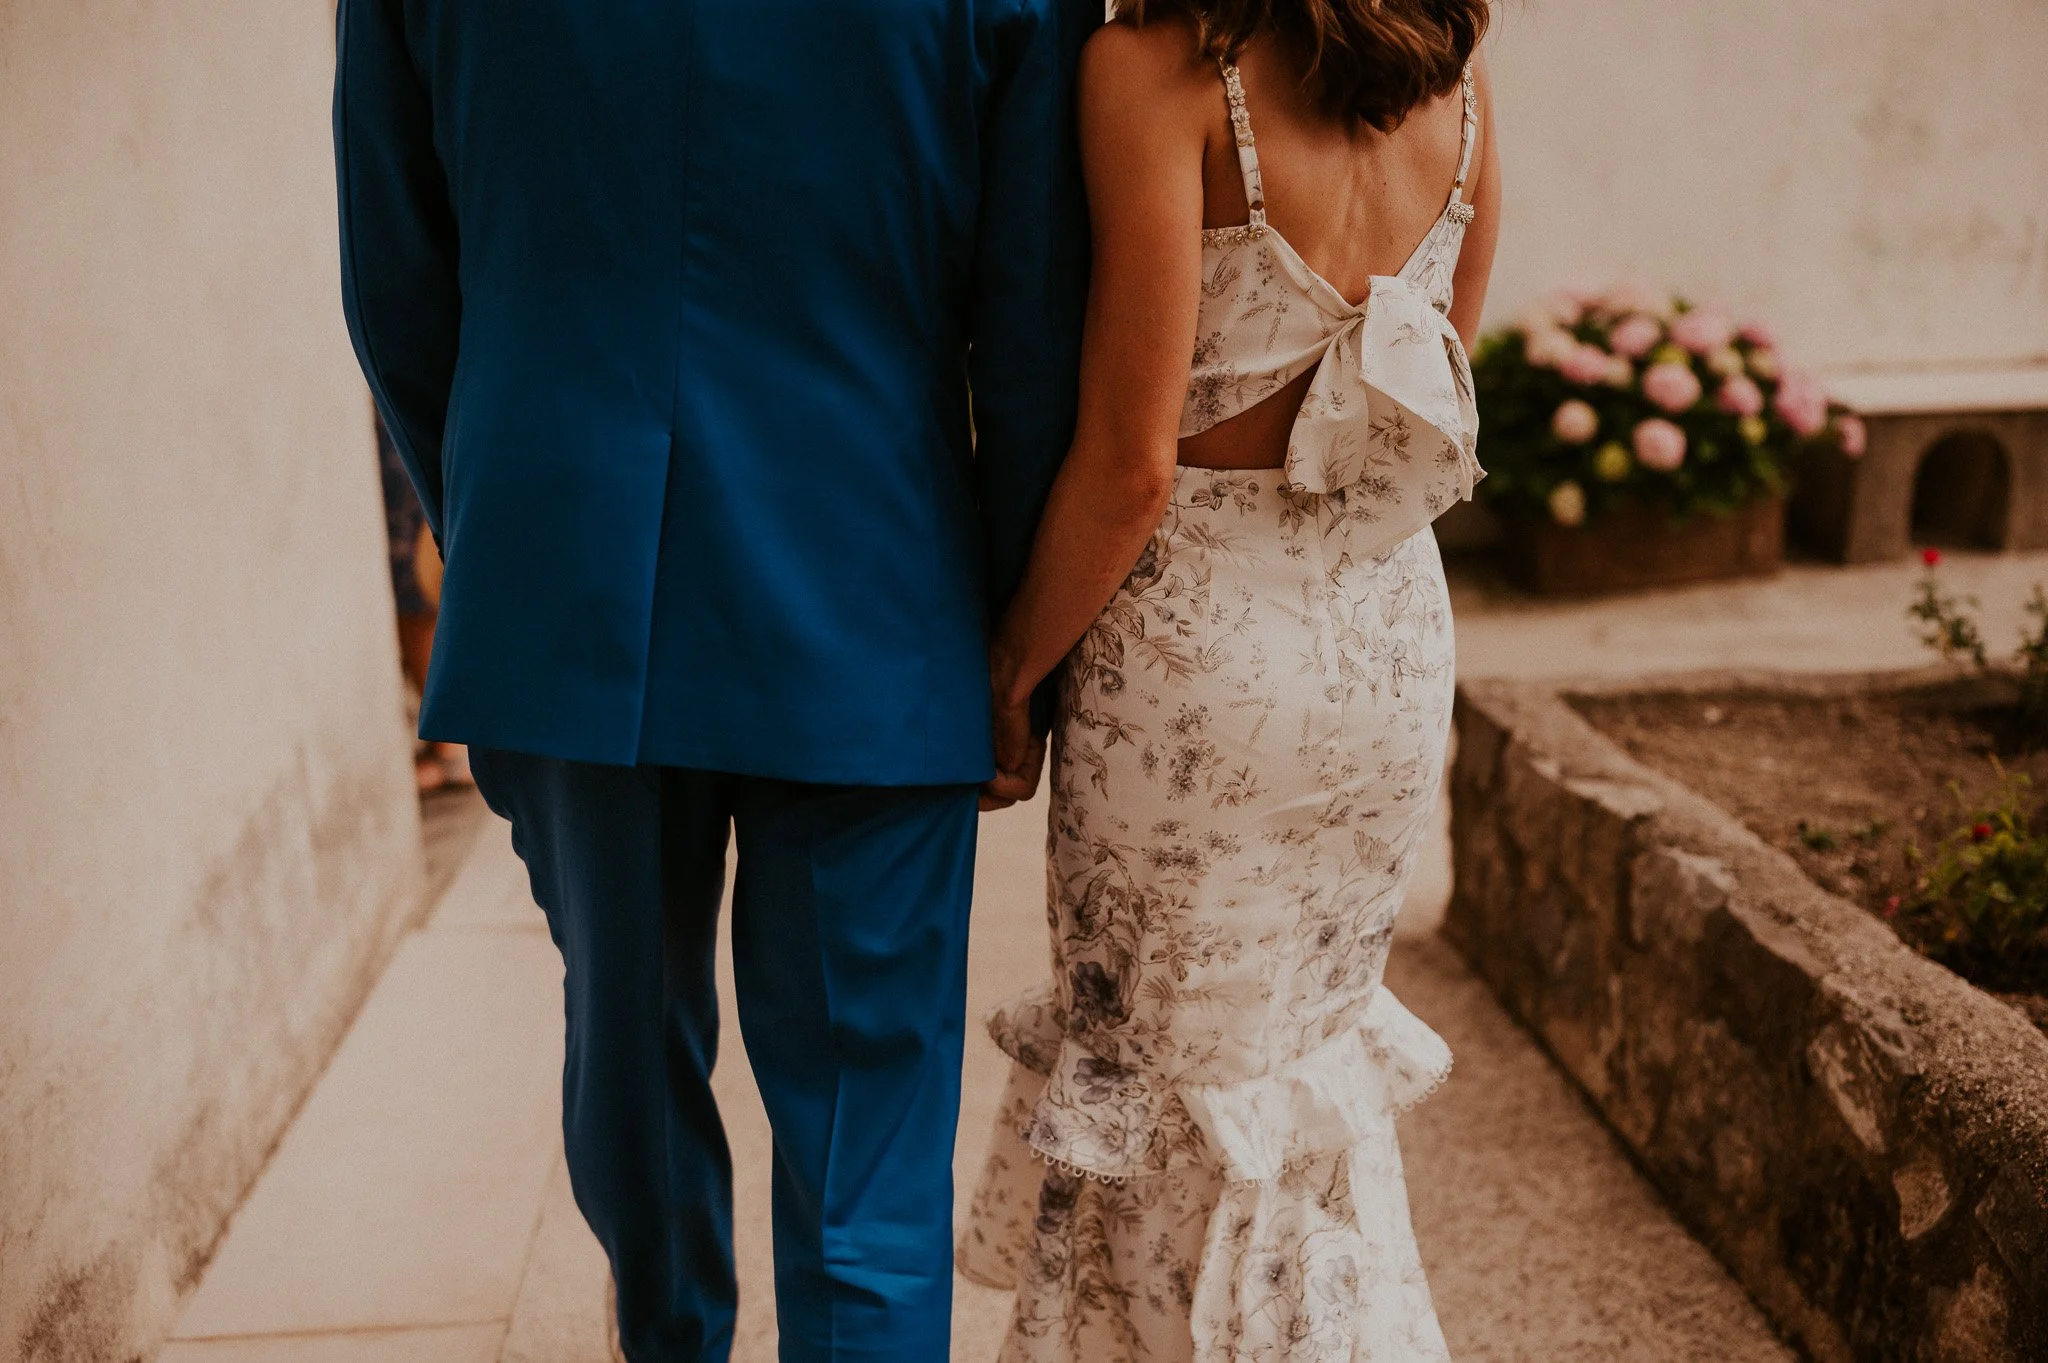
[(1442, 1077), (1437, 1081), (1073, 1170)]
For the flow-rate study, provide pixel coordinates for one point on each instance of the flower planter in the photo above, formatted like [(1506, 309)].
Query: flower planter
[(1861, 1136), (1599, 409), (1635, 547)]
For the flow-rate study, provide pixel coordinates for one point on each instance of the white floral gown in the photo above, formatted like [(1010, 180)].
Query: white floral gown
[(1196, 1161)]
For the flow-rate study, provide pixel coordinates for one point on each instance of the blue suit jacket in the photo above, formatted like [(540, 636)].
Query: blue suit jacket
[(674, 308)]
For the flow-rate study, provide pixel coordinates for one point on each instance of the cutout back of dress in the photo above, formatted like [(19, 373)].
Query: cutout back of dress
[(1389, 420)]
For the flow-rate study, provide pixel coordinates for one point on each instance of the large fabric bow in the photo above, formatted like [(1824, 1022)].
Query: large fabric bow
[(1390, 419)]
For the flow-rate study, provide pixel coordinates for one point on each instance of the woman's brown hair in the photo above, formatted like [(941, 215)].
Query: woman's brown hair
[(1373, 60)]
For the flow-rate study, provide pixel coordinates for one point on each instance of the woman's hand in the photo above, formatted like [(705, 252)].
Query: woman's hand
[(1020, 757), (1020, 754), (1144, 111)]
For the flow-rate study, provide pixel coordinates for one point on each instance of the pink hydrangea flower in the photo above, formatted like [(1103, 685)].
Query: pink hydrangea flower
[(1630, 296), (1660, 446), (1741, 397), (1575, 422), (1759, 334), (1567, 307), (1547, 347), (1587, 364), (1674, 387), (1704, 330), (1853, 434), (1635, 336), (1561, 309), (1803, 403)]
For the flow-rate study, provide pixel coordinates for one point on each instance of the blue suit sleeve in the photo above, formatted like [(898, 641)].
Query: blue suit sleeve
[(400, 291), (1031, 278)]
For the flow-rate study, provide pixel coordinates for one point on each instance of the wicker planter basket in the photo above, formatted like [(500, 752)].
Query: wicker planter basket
[(1635, 547)]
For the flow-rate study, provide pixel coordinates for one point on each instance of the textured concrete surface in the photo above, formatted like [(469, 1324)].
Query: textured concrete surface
[(398, 1218), (1541, 1240)]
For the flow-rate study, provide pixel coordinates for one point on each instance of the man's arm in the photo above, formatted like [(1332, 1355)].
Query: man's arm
[(398, 238), (1031, 281)]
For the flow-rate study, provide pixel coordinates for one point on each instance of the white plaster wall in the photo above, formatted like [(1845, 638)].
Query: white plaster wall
[(1870, 174), (208, 838)]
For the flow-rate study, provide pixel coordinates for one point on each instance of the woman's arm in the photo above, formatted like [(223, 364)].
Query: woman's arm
[(1143, 130), (1475, 261)]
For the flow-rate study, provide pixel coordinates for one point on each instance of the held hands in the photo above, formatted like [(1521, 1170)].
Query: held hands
[(1020, 754), (1020, 757)]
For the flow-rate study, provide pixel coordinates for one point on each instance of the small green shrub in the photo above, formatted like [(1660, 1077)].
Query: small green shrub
[(2033, 661), (1981, 908), (1949, 630)]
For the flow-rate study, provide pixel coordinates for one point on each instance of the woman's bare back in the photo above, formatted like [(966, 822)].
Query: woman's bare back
[(1352, 201)]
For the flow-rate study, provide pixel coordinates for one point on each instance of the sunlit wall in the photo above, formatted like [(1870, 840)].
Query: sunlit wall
[(1873, 176), (208, 836)]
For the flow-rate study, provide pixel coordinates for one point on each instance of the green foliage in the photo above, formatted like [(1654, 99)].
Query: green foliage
[(1816, 838), (2033, 661), (1946, 629), (1949, 630), (1982, 907)]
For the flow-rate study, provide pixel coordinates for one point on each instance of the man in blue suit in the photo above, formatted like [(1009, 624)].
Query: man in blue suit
[(675, 309)]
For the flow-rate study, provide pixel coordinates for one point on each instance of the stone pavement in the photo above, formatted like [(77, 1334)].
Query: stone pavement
[(417, 1209)]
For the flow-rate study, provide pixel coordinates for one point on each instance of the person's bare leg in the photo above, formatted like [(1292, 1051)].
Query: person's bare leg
[(416, 648), (437, 764)]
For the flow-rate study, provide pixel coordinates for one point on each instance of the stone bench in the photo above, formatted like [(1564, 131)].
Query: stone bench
[(1956, 457)]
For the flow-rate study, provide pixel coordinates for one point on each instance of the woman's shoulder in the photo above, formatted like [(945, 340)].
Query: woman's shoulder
[(1147, 83), (1158, 62)]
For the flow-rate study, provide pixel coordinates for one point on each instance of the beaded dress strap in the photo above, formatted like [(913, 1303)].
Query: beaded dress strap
[(1247, 148), (1459, 209)]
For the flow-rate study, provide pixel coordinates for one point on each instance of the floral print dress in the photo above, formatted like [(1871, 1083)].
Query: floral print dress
[(1195, 1160)]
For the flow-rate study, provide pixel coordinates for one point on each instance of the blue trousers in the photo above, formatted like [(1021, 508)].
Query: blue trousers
[(850, 942)]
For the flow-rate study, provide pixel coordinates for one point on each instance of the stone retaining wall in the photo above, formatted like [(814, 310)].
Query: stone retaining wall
[(1861, 1136)]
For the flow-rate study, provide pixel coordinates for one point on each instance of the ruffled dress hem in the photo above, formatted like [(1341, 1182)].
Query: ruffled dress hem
[(1064, 1111)]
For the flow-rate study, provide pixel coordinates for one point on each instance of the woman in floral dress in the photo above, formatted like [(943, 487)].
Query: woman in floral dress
[(1237, 586)]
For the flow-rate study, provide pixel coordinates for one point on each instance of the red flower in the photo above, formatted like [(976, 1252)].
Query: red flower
[(1980, 832), (1931, 557), (1891, 906)]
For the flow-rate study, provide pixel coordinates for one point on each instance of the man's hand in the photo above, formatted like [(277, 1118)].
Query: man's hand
[(1020, 757)]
